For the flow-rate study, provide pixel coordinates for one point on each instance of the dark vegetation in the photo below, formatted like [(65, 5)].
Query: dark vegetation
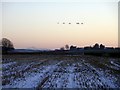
[(96, 50), (6, 45)]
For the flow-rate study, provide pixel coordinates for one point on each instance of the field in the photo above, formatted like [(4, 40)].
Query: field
[(60, 71)]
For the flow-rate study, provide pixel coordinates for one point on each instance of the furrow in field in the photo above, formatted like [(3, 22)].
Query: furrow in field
[(101, 77), (33, 79), (8, 76)]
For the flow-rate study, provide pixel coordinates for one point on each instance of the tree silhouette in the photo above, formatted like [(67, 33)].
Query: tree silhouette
[(96, 46), (102, 46), (67, 47), (7, 45)]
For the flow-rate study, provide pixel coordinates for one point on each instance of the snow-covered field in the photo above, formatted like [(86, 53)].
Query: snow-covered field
[(47, 71)]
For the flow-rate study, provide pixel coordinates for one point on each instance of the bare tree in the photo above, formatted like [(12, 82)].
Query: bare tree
[(96, 46), (67, 47), (6, 45), (102, 46)]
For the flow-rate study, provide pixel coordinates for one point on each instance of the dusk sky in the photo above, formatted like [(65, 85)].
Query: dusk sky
[(34, 24)]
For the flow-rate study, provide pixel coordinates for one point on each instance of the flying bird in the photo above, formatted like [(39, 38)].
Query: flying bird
[(69, 23)]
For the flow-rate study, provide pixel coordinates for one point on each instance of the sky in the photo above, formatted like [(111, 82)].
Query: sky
[(34, 24)]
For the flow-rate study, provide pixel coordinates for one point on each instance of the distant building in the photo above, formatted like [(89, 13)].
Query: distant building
[(73, 48), (87, 48)]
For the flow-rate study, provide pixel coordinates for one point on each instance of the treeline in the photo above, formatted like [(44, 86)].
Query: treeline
[(105, 53), (97, 50)]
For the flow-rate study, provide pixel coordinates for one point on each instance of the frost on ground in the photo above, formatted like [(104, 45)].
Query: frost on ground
[(60, 72)]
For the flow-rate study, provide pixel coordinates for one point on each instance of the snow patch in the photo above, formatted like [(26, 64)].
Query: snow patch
[(6, 65)]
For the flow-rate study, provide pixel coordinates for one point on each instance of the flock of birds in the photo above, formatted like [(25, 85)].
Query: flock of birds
[(70, 23)]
